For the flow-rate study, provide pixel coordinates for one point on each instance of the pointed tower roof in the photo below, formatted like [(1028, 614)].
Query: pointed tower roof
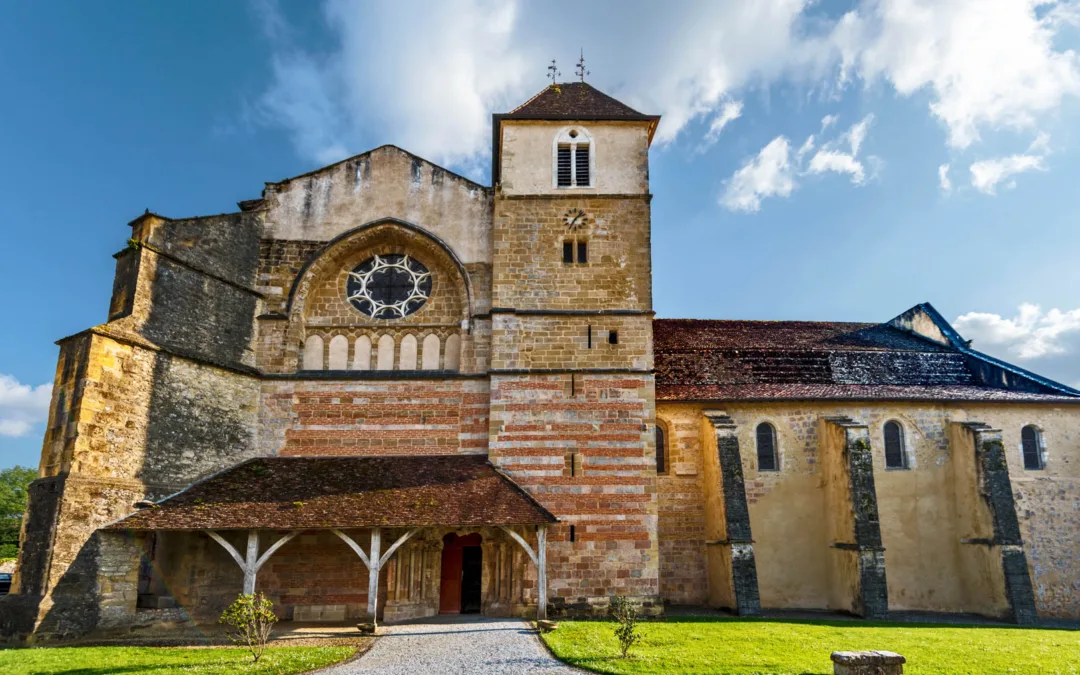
[(574, 100), (570, 101)]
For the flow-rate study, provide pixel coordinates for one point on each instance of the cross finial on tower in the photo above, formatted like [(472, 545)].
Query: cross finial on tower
[(580, 71), (553, 72)]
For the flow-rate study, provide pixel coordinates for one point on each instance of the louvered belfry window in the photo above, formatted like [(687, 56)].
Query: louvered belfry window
[(573, 159), (766, 447), (1029, 439), (581, 165), (565, 167), (895, 457)]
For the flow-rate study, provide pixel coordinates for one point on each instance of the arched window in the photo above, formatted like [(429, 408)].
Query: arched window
[(766, 448), (385, 358), (430, 358), (313, 353), (407, 359), (895, 456), (1031, 440), (339, 352), (452, 358), (362, 355), (661, 450), (572, 159)]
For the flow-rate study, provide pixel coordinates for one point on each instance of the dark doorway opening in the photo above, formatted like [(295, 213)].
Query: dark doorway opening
[(462, 565), (471, 565)]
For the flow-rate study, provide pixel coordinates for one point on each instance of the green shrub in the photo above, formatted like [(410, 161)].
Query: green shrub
[(625, 613), (249, 622)]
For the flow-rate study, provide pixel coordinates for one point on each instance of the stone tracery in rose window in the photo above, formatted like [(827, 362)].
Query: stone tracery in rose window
[(389, 286)]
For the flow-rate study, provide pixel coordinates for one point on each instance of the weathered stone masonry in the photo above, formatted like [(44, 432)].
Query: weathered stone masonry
[(232, 337)]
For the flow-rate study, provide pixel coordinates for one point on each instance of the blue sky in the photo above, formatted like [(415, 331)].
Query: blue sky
[(185, 108)]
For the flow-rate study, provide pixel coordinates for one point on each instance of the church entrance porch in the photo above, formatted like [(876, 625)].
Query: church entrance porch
[(346, 539)]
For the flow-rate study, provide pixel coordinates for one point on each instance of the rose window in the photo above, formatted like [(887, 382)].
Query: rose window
[(388, 286)]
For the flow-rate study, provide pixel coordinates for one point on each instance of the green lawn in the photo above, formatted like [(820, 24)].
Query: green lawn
[(780, 647), (161, 660)]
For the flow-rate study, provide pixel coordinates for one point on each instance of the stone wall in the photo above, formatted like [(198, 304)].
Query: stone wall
[(922, 515), (620, 161), (537, 426), (359, 417), (528, 271), (385, 182)]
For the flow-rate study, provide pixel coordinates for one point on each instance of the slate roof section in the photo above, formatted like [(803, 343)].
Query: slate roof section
[(574, 100), (701, 360), (289, 493), (851, 392)]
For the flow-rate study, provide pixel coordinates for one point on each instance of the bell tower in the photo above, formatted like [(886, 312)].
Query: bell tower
[(572, 392)]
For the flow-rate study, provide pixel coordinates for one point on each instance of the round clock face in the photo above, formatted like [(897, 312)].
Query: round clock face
[(388, 286)]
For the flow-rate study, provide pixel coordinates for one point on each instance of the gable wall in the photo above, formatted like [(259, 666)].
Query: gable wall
[(387, 182)]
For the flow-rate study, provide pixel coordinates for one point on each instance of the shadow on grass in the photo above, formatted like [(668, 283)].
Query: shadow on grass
[(852, 623)]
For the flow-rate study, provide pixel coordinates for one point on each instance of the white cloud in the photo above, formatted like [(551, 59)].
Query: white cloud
[(772, 172), (427, 75), (769, 174), (987, 173), (832, 156), (424, 76), (943, 178), (731, 111), (988, 64), (1030, 334), (22, 406), (1047, 342)]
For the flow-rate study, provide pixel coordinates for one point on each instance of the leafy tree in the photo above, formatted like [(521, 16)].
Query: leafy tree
[(624, 612), (13, 496), (249, 621)]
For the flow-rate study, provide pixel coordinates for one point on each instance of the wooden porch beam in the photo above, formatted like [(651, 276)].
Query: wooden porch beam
[(539, 558), (251, 562)]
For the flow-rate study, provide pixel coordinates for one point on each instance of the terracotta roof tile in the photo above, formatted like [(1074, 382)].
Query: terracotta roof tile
[(574, 100), (849, 392), (789, 360), (328, 492)]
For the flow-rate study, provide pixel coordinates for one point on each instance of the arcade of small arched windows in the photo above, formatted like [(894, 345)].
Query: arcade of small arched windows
[(386, 351)]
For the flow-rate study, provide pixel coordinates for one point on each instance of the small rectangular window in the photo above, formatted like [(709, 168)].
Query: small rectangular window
[(613, 337), (564, 168), (581, 165), (589, 338), (582, 252), (568, 251), (572, 533)]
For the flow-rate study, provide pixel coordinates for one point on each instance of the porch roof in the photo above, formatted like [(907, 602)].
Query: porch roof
[(345, 492)]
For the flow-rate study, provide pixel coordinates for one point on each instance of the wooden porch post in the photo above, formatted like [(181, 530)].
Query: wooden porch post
[(539, 558), (373, 574), (541, 573), (252, 562), (374, 561)]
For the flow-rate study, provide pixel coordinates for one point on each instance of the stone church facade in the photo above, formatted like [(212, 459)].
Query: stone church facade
[(384, 390)]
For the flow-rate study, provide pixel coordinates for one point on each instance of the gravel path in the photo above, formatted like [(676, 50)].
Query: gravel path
[(458, 644)]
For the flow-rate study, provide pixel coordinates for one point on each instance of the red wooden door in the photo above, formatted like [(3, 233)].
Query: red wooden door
[(450, 590)]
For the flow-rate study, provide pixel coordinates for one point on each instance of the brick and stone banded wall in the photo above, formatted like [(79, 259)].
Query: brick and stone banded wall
[(574, 341), (538, 422), (528, 270), (374, 417)]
